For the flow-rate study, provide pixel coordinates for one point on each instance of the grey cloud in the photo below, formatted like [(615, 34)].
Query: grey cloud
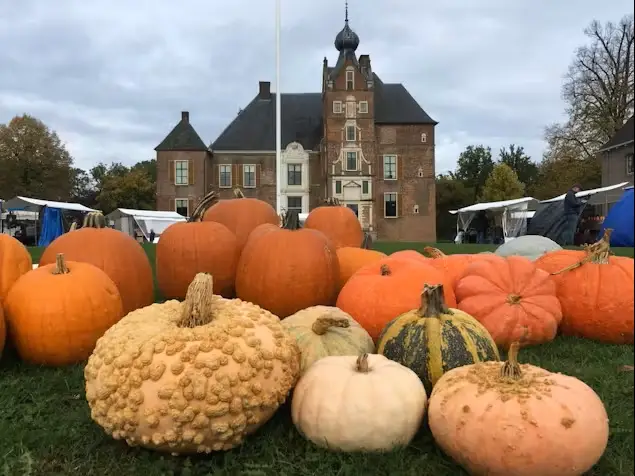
[(112, 77)]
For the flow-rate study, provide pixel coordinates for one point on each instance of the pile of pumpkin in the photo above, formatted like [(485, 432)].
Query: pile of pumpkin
[(367, 343)]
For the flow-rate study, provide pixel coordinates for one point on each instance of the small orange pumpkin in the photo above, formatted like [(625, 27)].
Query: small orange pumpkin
[(337, 222), (188, 248), (454, 266), (76, 304), (512, 299), (241, 216), (15, 260), (595, 290), (284, 270), (116, 253), (352, 259), (385, 289)]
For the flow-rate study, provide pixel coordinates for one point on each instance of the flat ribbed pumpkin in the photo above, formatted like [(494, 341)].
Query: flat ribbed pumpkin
[(352, 259), (454, 266), (434, 339)]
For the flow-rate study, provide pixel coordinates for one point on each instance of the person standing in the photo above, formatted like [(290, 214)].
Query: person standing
[(152, 236), (572, 206), (480, 224)]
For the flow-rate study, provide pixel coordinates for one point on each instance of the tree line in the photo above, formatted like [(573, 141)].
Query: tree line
[(597, 91)]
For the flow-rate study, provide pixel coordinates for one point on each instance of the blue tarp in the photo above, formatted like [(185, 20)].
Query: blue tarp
[(51, 223), (620, 219)]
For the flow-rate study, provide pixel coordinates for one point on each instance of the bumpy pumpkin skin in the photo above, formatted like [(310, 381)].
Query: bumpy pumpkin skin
[(367, 403), (241, 216), (191, 377), (339, 223), (381, 291), (321, 331), (15, 260), (352, 259), (597, 299), (508, 296), (285, 271), (73, 309), (433, 339), (186, 249), (534, 423), (114, 252)]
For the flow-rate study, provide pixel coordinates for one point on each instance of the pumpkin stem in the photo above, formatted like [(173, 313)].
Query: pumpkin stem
[(332, 202), (514, 299), (60, 265), (598, 253), (362, 364), (323, 324), (384, 270), (207, 201), (291, 220), (197, 307), (434, 252), (73, 226), (432, 301), (238, 193), (511, 368), (94, 220)]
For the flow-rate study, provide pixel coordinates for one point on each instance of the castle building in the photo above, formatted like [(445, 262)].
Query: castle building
[(363, 141)]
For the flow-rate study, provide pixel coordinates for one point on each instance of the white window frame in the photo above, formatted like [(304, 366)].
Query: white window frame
[(386, 156), (424, 137), (346, 152), (363, 107), (350, 78), (299, 210), (352, 127), (629, 164), (335, 187), (187, 172), (337, 107), (246, 169), (187, 205), (415, 209), (396, 204), (368, 186), (294, 165), (220, 174)]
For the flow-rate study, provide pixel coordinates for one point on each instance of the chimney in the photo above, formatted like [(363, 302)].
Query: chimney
[(185, 116), (264, 90)]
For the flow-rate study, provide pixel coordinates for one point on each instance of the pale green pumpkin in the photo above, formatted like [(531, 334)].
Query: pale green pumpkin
[(322, 331)]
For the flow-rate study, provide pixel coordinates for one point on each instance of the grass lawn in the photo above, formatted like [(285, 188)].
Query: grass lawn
[(45, 425)]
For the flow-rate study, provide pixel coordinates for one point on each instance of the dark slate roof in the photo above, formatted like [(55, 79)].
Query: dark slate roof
[(254, 127), (623, 136), (182, 137)]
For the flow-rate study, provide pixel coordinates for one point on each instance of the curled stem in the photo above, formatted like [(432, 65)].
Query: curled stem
[(323, 324), (206, 202), (362, 364), (197, 307), (598, 253)]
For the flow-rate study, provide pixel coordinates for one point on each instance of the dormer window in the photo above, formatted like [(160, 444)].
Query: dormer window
[(350, 80)]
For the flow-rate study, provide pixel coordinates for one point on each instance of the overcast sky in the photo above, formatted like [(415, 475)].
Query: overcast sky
[(111, 76)]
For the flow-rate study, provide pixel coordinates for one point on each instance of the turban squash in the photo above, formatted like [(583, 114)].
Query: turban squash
[(114, 252), (433, 339), (188, 248), (339, 223), (596, 291)]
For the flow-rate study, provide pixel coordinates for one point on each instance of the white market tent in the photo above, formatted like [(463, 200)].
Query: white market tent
[(510, 215), (586, 193), (34, 205), (125, 219)]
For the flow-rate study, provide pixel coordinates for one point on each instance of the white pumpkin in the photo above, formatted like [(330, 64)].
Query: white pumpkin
[(531, 247), (367, 403)]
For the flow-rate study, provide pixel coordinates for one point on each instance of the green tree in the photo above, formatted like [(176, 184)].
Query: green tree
[(451, 194), (502, 184), (82, 188), (149, 167), (556, 176), (473, 167), (133, 189), (520, 163), (33, 161)]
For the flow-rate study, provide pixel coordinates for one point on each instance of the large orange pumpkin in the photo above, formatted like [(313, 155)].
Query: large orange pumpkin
[(284, 270), (242, 215), (352, 259), (188, 248), (74, 305), (337, 222), (512, 299), (115, 252), (596, 292), (15, 260), (385, 289), (3, 331), (409, 255), (454, 266)]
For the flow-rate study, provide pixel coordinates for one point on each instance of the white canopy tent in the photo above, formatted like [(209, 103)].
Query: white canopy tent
[(125, 219), (510, 215), (34, 204), (587, 193)]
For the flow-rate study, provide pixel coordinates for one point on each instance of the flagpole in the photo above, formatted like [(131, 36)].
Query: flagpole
[(278, 116)]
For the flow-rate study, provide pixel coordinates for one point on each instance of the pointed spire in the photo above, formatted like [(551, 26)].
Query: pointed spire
[(346, 12)]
